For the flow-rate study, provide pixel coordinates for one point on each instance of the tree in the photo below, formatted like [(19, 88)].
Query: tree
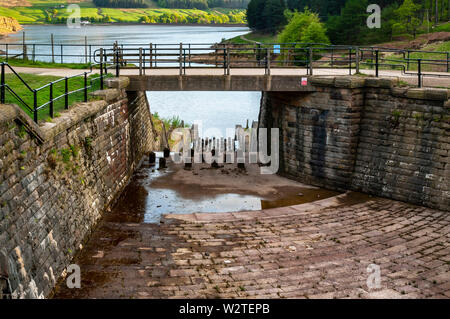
[(266, 15), (273, 15), (408, 19), (304, 27), (350, 25)]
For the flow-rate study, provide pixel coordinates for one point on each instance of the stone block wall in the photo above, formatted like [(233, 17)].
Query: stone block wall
[(57, 179), (404, 146), (365, 134)]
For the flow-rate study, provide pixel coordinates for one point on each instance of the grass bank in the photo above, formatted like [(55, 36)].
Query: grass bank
[(38, 81), (50, 65)]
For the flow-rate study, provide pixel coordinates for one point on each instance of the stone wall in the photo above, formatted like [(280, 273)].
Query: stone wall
[(57, 179), (365, 134)]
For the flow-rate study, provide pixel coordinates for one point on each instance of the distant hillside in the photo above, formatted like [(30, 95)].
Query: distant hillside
[(55, 12), (204, 4)]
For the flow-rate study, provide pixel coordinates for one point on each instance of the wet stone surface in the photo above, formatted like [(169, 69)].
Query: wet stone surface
[(314, 250)]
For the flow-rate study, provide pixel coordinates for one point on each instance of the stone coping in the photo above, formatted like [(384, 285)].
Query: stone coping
[(352, 82), (335, 201)]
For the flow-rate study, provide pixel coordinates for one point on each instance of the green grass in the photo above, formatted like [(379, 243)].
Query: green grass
[(37, 81), (39, 64), (435, 47), (443, 27), (252, 36)]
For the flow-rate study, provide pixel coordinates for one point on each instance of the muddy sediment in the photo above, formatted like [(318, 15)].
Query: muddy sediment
[(125, 240)]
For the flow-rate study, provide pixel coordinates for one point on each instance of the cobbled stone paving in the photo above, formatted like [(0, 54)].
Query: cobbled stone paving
[(316, 250)]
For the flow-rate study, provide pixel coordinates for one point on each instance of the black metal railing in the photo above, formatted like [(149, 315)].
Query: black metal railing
[(310, 56), (34, 108)]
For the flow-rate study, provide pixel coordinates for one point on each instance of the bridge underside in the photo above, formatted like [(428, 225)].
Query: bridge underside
[(274, 83)]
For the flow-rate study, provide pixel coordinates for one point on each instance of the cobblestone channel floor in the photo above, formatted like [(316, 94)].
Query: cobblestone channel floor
[(315, 250)]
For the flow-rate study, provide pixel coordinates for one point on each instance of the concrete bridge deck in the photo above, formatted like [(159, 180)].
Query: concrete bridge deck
[(207, 79)]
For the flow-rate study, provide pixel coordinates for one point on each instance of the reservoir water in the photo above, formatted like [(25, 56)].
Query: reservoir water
[(218, 110)]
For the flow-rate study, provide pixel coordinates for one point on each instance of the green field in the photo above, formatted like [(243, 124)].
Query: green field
[(50, 11)]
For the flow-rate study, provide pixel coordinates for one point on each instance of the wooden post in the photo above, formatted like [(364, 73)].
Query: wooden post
[(53, 48), (24, 47), (85, 50)]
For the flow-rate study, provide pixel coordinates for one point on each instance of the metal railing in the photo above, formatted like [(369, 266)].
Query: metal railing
[(35, 107), (308, 56), (278, 56)]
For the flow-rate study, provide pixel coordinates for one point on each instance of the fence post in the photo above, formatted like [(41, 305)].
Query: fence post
[(448, 55), (189, 55), (101, 68), (184, 61), (62, 55), (228, 61), (310, 61), (85, 50), (268, 62), (2, 89), (151, 55), (66, 96), (357, 60), (258, 55), (181, 59), (350, 61), (51, 100), (24, 47), (85, 87), (35, 111), (224, 59), (407, 61), (376, 63), (419, 72), (332, 56), (53, 48), (7, 51), (140, 61), (117, 62), (33, 57)]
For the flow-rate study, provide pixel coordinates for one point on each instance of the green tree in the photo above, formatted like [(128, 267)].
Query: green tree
[(304, 27), (408, 19)]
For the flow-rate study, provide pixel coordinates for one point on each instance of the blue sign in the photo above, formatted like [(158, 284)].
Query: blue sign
[(276, 49)]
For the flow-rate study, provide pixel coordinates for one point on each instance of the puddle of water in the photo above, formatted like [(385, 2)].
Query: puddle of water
[(153, 192)]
